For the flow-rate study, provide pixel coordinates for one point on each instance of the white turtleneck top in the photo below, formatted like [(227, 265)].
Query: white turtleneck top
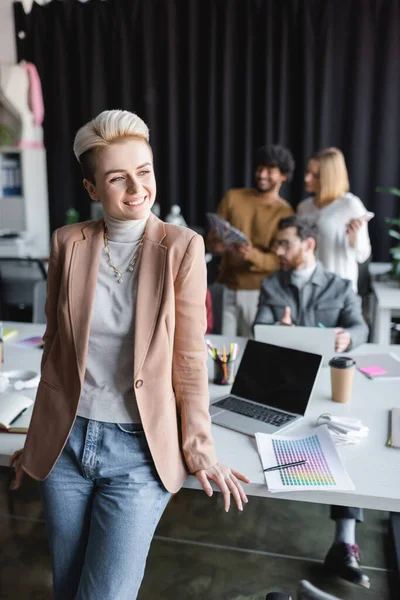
[(107, 393)]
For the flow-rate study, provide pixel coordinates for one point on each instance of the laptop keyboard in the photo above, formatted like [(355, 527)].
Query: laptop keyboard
[(254, 411)]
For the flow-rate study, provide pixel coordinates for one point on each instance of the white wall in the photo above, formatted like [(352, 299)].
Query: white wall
[(8, 51)]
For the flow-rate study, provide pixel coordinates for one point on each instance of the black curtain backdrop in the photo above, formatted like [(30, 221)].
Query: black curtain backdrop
[(215, 79)]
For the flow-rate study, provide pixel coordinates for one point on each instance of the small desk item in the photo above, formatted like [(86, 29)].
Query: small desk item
[(22, 379), (308, 339), (8, 334), (226, 232), (322, 471), (31, 342), (224, 363), (379, 366), (15, 412), (285, 466), (394, 439)]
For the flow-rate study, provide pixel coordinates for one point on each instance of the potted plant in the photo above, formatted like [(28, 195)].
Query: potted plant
[(5, 135), (394, 232)]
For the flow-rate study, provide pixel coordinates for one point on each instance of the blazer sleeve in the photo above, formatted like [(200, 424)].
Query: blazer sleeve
[(351, 318), (53, 287), (265, 315), (362, 246), (189, 362)]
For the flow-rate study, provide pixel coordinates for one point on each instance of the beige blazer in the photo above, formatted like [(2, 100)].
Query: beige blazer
[(169, 370)]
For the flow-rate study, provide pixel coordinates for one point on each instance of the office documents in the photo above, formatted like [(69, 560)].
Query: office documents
[(379, 367), (322, 471), (225, 231)]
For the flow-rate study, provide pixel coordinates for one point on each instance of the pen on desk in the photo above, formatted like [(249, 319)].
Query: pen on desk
[(18, 416), (321, 325), (285, 466)]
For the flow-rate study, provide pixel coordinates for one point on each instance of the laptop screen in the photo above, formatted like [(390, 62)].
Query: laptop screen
[(275, 376)]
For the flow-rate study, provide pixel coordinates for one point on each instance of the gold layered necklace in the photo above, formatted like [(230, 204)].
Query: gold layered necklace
[(118, 274)]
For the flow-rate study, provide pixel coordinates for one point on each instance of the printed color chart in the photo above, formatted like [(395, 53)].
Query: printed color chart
[(323, 470), (315, 472)]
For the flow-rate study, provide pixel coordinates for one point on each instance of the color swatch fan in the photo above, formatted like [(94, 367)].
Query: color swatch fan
[(322, 471)]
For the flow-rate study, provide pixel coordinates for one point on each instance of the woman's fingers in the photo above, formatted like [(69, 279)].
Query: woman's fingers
[(241, 477), (221, 483), (15, 456), (235, 492), (16, 462), (227, 481), (239, 487), (19, 475), (205, 484)]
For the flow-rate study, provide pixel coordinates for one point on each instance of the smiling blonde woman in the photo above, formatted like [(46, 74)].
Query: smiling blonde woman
[(341, 217), (121, 414)]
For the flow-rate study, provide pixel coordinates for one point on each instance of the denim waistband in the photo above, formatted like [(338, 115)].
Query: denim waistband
[(130, 426)]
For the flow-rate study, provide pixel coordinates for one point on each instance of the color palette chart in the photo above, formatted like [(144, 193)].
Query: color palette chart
[(323, 470), (315, 472)]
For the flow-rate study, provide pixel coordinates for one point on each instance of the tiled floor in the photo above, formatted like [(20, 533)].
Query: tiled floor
[(201, 553)]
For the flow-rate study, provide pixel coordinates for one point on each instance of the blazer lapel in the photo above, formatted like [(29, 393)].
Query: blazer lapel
[(150, 288), (83, 274)]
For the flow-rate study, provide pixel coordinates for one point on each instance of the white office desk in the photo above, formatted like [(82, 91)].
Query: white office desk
[(372, 466), (387, 300), (376, 269)]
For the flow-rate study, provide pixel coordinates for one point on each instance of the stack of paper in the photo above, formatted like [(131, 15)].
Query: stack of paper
[(322, 471)]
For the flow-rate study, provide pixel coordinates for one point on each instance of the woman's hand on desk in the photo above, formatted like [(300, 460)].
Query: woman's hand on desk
[(228, 482), (16, 462)]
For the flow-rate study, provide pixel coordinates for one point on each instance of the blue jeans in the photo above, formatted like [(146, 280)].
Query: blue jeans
[(102, 503)]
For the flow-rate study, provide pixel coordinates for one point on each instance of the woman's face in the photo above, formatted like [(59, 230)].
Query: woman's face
[(311, 177), (124, 179)]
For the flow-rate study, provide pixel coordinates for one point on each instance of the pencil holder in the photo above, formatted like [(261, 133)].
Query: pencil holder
[(224, 373)]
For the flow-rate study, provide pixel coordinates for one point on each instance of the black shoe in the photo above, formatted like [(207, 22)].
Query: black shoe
[(344, 561)]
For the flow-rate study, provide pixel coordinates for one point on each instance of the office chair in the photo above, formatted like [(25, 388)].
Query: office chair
[(18, 277), (305, 591), (217, 291)]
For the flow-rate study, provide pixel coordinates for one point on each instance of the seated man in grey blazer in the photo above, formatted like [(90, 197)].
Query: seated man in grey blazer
[(303, 293)]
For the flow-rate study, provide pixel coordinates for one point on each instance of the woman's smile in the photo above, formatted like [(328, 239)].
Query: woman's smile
[(135, 202)]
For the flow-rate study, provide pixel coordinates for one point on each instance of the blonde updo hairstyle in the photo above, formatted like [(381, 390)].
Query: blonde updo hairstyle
[(333, 176), (109, 127)]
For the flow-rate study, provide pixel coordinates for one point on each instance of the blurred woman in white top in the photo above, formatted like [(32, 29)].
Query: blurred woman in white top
[(341, 217)]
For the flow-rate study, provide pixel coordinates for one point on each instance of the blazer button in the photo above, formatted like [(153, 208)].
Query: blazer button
[(139, 383)]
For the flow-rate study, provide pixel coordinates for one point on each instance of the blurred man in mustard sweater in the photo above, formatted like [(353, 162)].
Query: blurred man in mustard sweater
[(256, 212)]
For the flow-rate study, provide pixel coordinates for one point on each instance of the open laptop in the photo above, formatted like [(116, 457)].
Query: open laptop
[(308, 339), (272, 388)]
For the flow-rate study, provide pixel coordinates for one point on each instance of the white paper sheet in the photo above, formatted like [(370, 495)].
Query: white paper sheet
[(323, 471)]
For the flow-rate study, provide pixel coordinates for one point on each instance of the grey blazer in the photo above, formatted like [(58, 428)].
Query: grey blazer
[(326, 299)]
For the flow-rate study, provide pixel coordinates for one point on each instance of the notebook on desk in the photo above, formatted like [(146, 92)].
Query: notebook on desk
[(379, 367), (272, 388), (15, 412)]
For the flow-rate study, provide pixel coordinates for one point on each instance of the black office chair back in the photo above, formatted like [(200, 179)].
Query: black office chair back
[(18, 277)]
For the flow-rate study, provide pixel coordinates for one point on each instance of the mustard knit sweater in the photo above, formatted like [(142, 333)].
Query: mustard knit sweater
[(244, 209)]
